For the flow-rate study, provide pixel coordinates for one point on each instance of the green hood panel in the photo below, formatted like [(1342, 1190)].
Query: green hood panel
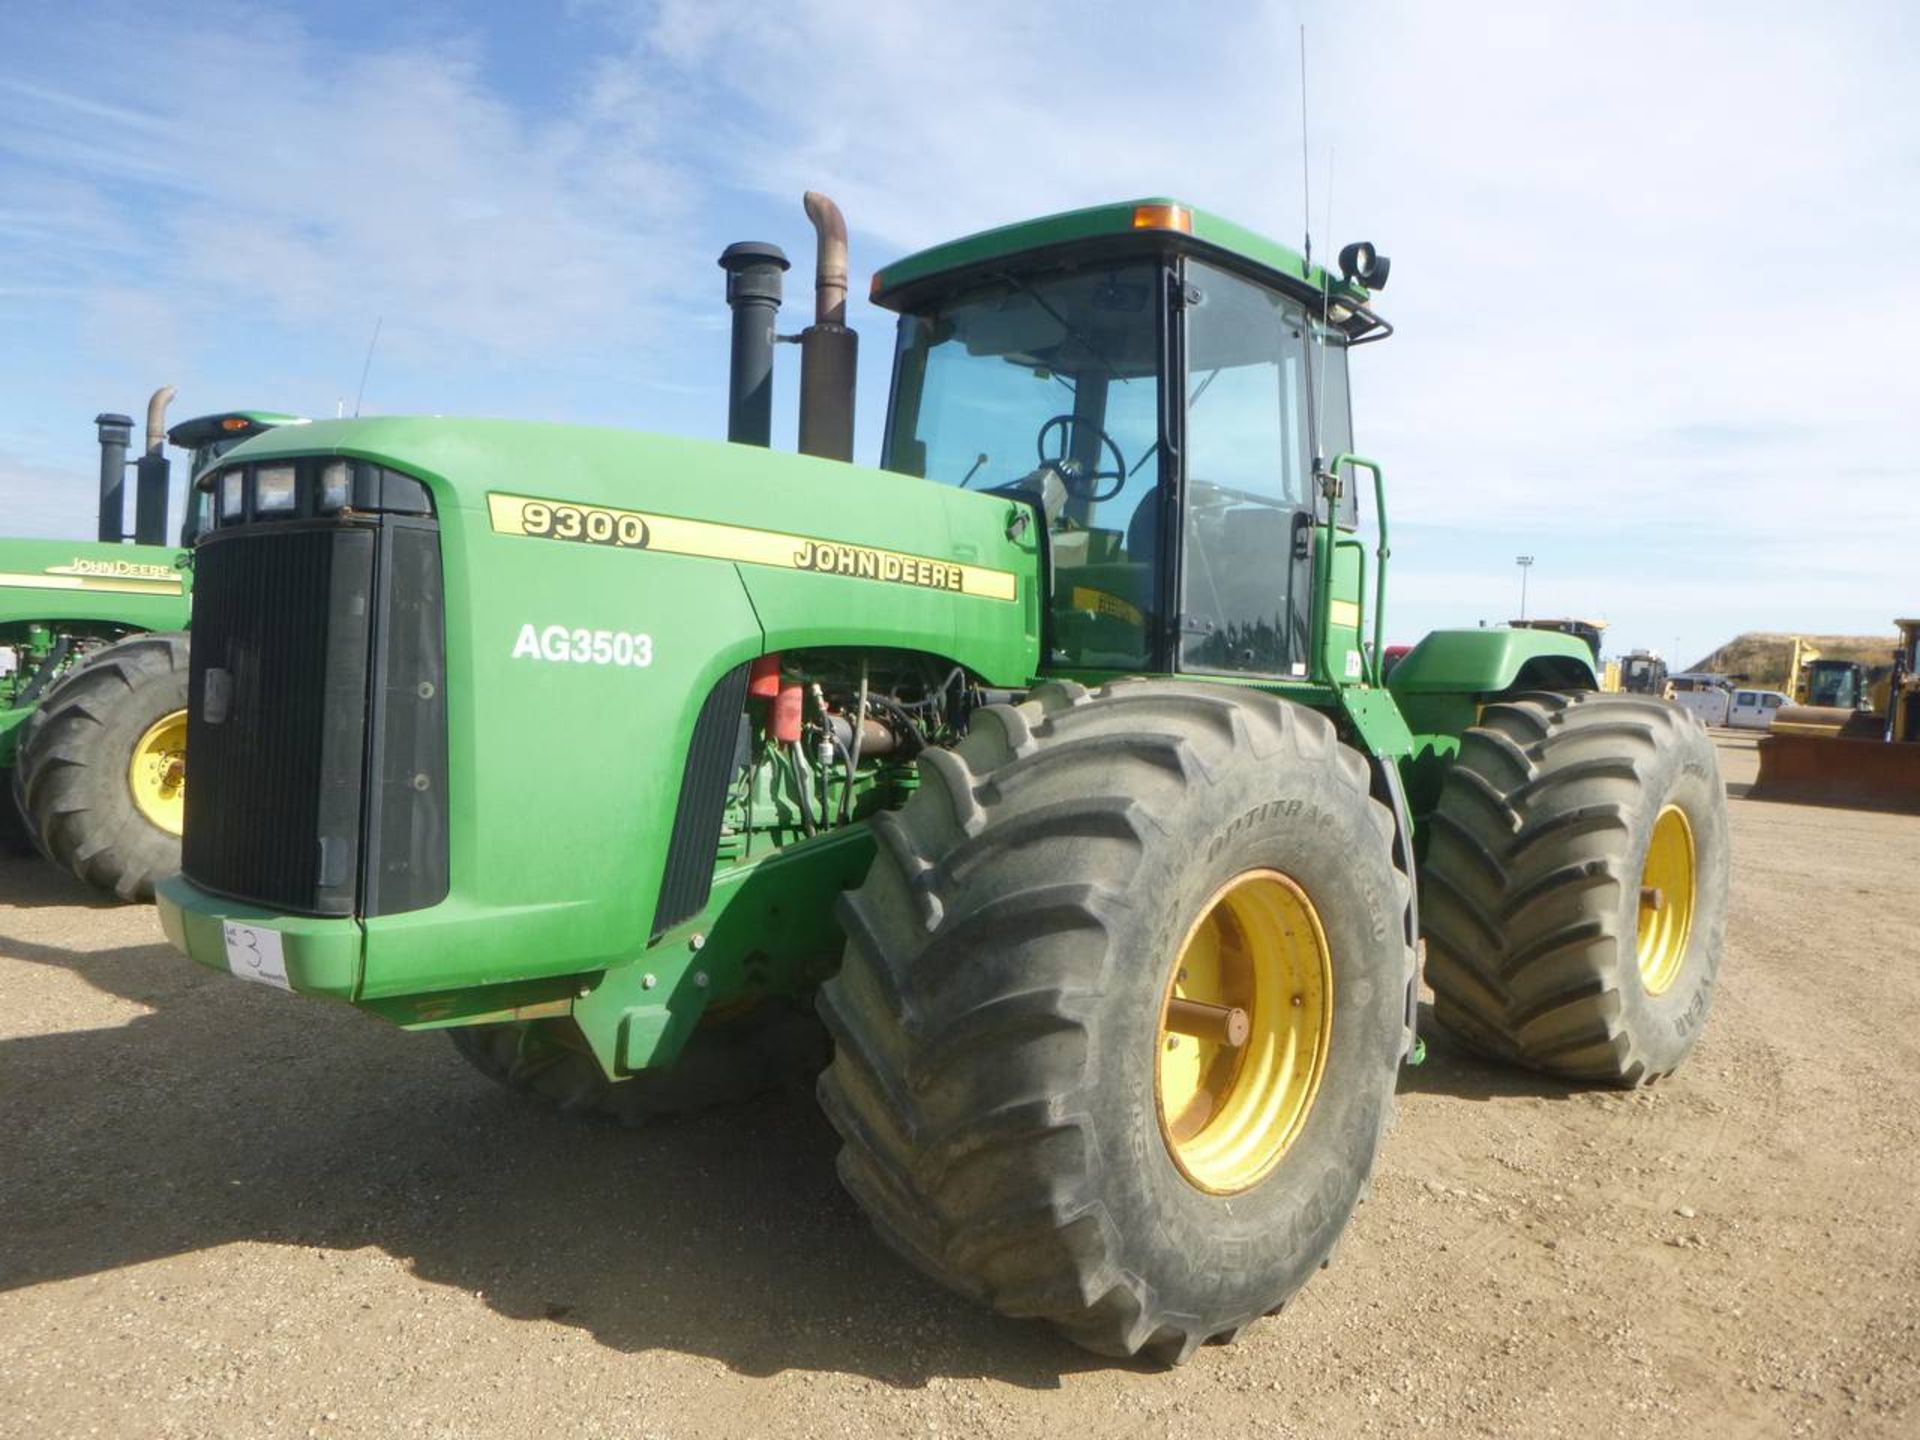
[(564, 771), (143, 587)]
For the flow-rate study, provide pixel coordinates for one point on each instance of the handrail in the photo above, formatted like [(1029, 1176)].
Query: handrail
[(1360, 462)]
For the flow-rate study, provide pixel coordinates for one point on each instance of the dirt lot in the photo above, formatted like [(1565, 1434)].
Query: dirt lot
[(227, 1211)]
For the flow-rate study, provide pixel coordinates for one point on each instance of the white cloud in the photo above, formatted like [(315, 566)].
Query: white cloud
[(1636, 331), (331, 188), (1650, 276)]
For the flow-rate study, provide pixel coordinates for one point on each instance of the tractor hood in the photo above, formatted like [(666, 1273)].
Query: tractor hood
[(139, 587), (511, 622), (906, 546)]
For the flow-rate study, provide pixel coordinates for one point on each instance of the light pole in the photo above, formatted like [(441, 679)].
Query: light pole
[(1525, 562)]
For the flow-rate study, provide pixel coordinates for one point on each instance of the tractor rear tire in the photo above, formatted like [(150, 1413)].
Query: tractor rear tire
[(74, 771), (725, 1062), (1007, 1070), (1574, 890)]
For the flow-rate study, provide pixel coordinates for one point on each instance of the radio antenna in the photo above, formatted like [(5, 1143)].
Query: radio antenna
[(1306, 194), (1324, 323), (361, 393)]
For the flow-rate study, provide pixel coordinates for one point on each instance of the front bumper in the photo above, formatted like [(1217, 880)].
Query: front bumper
[(319, 956)]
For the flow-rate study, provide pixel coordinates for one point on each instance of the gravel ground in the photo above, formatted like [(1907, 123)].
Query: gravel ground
[(227, 1211)]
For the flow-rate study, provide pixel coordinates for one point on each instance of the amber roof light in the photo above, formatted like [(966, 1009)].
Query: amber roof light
[(1163, 217)]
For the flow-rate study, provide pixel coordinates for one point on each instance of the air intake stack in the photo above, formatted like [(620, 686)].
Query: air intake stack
[(753, 294), (115, 432)]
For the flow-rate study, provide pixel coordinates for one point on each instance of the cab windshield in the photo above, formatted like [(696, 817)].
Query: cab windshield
[(1837, 686), (1052, 375), (199, 507), (1048, 384), (205, 455)]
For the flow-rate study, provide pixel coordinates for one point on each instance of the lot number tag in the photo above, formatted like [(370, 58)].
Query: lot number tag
[(256, 955)]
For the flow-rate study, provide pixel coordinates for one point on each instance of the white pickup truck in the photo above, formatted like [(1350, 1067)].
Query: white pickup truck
[(1723, 705), (1708, 698), (1755, 709)]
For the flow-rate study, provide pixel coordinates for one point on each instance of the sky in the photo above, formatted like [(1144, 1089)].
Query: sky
[(1654, 280)]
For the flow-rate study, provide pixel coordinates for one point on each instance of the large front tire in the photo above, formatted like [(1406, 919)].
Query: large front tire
[(1574, 890), (100, 772), (1021, 1113)]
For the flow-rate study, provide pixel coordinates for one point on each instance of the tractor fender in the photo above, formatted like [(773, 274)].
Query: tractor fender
[(1487, 662)]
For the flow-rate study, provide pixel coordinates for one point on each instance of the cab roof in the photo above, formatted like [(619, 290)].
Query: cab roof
[(899, 285), (203, 428)]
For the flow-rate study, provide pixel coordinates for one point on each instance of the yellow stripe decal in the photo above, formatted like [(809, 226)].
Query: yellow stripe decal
[(671, 535), (1100, 602), (1344, 612), (118, 585)]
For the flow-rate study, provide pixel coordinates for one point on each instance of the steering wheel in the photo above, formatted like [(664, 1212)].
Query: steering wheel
[(1079, 485)]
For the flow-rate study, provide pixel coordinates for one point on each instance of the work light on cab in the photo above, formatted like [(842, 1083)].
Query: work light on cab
[(336, 487), (273, 489)]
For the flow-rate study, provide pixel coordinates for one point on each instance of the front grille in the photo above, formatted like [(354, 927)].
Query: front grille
[(316, 733), (276, 723)]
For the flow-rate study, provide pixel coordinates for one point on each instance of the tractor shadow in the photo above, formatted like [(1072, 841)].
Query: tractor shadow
[(232, 1113), (1452, 1069), (31, 883)]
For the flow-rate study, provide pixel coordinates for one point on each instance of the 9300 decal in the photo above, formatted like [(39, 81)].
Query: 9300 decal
[(578, 645), (587, 523)]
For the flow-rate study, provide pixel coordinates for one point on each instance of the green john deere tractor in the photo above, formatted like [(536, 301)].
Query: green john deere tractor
[(93, 691), (1049, 760)]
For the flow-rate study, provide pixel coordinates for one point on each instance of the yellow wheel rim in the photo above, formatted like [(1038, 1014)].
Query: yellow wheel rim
[(1666, 901), (158, 774), (1244, 1032)]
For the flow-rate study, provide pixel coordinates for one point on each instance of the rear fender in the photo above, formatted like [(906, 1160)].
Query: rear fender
[(1444, 681)]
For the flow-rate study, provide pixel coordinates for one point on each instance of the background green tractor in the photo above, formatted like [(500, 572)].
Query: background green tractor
[(1050, 760), (93, 666)]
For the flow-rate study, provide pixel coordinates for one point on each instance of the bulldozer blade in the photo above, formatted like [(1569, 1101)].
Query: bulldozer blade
[(1827, 720), (1828, 770)]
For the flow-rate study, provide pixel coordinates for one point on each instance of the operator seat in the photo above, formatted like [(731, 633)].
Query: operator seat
[(1143, 530)]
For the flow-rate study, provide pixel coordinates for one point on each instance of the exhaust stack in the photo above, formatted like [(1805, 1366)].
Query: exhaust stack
[(829, 351), (115, 432), (753, 294), (152, 473)]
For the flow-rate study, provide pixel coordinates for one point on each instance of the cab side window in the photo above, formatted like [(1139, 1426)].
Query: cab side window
[(1248, 484)]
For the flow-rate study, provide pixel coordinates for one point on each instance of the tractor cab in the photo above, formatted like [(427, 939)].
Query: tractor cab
[(1166, 388), (1643, 673), (1836, 684), (206, 438)]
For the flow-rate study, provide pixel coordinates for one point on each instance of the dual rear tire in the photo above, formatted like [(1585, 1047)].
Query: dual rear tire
[(1573, 892)]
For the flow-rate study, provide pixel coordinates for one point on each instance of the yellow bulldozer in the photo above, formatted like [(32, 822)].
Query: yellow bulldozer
[(1834, 696), (1854, 738)]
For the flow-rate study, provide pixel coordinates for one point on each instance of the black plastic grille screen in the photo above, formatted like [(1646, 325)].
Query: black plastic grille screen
[(688, 880), (277, 721)]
